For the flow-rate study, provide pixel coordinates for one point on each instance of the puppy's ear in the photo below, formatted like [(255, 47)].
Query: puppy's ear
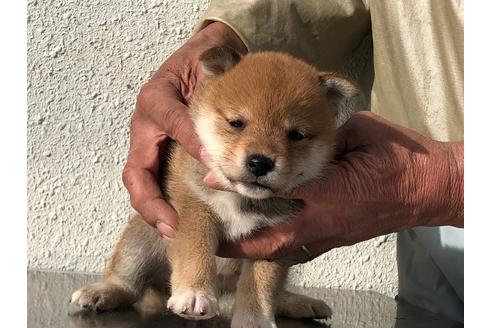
[(337, 88), (215, 61)]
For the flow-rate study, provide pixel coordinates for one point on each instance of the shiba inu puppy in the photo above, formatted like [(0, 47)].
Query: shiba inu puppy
[(267, 120)]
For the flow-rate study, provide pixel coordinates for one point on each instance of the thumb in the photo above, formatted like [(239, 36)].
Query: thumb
[(212, 181)]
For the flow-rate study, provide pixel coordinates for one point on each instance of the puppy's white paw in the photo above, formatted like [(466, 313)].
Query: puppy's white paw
[(100, 296), (250, 320), (193, 304)]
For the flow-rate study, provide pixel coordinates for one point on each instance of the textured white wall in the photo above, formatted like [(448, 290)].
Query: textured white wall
[(86, 62)]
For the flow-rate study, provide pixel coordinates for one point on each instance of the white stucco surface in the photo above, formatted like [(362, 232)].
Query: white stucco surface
[(86, 62)]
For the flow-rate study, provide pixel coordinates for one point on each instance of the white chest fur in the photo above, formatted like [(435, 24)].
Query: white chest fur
[(241, 216), (236, 222)]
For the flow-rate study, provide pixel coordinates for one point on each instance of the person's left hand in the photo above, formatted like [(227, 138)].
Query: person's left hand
[(386, 179)]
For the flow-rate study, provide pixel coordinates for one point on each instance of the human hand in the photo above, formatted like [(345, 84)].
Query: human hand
[(160, 114), (386, 178)]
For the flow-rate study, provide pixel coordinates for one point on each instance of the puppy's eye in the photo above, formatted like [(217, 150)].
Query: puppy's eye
[(294, 135), (237, 124)]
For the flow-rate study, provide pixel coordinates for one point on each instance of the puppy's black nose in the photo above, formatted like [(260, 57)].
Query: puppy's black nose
[(259, 165)]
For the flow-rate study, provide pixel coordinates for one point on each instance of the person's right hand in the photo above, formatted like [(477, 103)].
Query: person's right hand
[(160, 114)]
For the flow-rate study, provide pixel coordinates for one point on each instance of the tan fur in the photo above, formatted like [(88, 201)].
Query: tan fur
[(271, 94)]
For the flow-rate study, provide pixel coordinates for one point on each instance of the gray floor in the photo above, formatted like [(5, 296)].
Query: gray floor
[(48, 305)]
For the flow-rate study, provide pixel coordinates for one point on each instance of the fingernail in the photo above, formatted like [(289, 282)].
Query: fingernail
[(165, 230)]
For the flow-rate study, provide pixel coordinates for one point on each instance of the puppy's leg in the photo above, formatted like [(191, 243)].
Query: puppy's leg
[(301, 307), (194, 272), (138, 262), (257, 293), (228, 271)]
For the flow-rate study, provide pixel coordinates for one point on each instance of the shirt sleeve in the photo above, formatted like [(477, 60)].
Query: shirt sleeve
[(322, 32)]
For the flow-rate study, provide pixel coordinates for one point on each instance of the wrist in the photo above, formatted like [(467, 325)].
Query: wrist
[(456, 154), (443, 186)]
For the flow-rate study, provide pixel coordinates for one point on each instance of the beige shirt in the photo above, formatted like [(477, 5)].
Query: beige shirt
[(418, 49), (418, 83)]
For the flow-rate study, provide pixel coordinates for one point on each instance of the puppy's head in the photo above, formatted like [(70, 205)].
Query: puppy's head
[(266, 119)]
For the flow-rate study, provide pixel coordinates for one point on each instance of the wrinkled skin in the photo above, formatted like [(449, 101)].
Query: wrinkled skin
[(386, 178), (160, 114)]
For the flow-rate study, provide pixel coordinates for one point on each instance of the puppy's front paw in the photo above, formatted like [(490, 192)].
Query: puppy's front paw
[(101, 296), (244, 319), (193, 304)]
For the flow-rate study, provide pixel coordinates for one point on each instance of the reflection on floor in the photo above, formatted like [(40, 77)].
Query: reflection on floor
[(48, 306)]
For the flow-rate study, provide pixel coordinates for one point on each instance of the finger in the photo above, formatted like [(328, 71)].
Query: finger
[(162, 103), (140, 178), (341, 145), (310, 251), (211, 181), (294, 256), (349, 138), (295, 193), (269, 243), (310, 188), (146, 198), (353, 134), (258, 246), (165, 230), (320, 247)]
